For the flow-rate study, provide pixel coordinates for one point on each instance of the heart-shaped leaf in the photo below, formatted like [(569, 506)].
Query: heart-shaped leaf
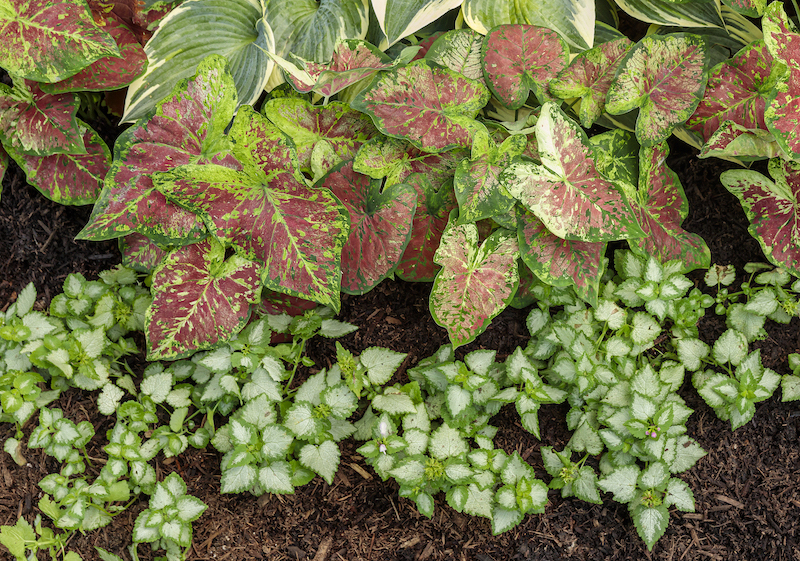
[(140, 253), (431, 107), (749, 8), (459, 50), (199, 299), (399, 18), (732, 140), (664, 76), (783, 42), (380, 226), (519, 59)]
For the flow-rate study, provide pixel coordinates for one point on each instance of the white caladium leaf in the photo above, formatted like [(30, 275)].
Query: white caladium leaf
[(476, 282), (380, 363), (622, 482), (322, 459)]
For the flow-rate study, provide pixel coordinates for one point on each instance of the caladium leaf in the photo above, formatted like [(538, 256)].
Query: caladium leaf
[(140, 253), (431, 107), (732, 140), (589, 76), (188, 127), (567, 192), (380, 225), (399, 18), (430, 219), (267, 212), (38, 123), (459, 50), (199, 299), (345, 130), (3, 163), (749, 8), (49, 41), (664, 76), (475, 283), (560, 262), (519, 59), (697, 13), (69, 179), (773, 209), (783, 42), (617, 156)]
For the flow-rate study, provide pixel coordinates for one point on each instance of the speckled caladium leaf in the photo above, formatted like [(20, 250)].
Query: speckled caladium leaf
[(430, 219), (459, 50), (475, 283), (566, 191), (477, 181), (697, 13), (344, 129), (431, 107), (737, 91), (140, 253), (783, 43), (48, 41), (560, 262), (380, 225), (188, 127), (3, 164), (519, 59), (399, 18), (38, 123), (69, 179), (617, 156), (660, 205), (664, 76), (267, 212), (750, 8), (199, 299), (589, 77), (773, 209), (732, 140)]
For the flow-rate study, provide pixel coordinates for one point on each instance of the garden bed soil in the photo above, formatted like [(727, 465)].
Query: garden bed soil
[(747, 489)]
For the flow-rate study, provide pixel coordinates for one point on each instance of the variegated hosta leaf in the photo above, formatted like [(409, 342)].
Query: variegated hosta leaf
[(140, 253), (193, 31), (199, 299), (772, 208), (783, 43), (735, 141), (559, 262), (430, 219), (267, 212), (431, 107), (37, 123), (589, 76), (737, 91), (664, 76), (574, 20), (399, 18), (69, 179), (344, 129), (380, 226), (696, 13), (49, 41), (660, 205), (750, 8), (188, 127), (478, 190), (475, 283), (519, 59), (567, 192), (459, 50)]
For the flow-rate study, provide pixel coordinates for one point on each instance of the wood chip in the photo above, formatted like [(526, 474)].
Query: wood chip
[(393, 321), (410, 543), (730, 501), (324, 548), (360, 471), (426, 552)]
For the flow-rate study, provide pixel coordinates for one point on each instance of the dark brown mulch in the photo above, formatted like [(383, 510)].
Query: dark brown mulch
[(747, 488)]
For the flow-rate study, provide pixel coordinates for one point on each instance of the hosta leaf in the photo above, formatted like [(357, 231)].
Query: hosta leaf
[(140, 253), (589, 76), (773, 209), (697, 13), (188, 127), (431, 107), (399, 18), (519, 59), (567, 192), (459, 50), (783, 42), (37, 123), (572, 19), (199, 299), (323, 459), (233, 29), (380, 226), (50, 41), (664, 76), (345, 130), (475, 283)]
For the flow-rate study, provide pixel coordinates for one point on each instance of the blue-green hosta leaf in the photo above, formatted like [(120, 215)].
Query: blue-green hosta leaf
[(697, 13), (323, 459)]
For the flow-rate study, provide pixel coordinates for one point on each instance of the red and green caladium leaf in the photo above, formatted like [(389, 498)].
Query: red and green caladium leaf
[(431, 107), (519, 59), (459, 50), (617, 156), (589, 77), (38, 123), (782, 114), (773, 209), (430, 219), (140, 253), (380, 225), (477, 180), (732, 140), (3, 163), (566, 191), (69, 179), (344, 129), (560, 262), (664, 76), (199, 299), (48, 41), (750, 8), (188, 127), (267, 212), (475, 283)]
